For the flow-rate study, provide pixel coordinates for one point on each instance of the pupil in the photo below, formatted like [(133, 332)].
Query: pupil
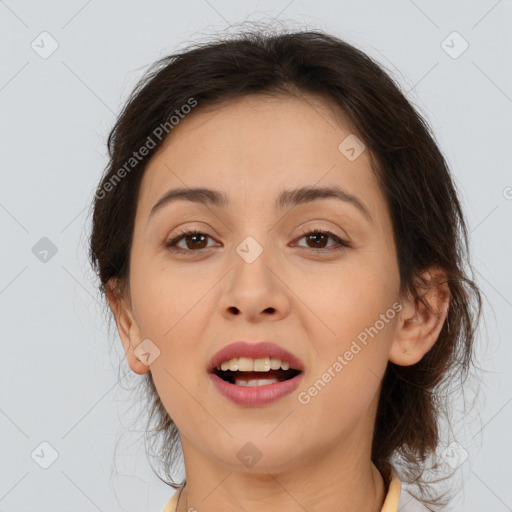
[(196, 236), (315, 236)]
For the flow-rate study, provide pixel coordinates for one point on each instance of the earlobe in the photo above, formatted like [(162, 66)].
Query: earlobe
[(126, 326), (421, 320)]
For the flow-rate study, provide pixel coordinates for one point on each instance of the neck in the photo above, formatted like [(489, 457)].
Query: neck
[(321, 483)]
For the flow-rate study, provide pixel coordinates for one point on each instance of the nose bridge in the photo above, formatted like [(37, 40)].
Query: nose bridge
[(252, 257), (253, 286), (255, 231)]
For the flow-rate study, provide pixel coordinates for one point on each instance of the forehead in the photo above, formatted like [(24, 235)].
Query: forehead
[(254, 147)]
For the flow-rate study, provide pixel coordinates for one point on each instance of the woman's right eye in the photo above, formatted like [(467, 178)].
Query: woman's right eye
[(197, 236)]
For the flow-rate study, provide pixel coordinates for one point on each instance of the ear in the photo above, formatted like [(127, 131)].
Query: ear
[(126, 325), (419, 324)]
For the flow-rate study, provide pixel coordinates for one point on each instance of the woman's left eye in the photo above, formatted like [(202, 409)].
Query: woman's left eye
[(198, 239), (318, 236)]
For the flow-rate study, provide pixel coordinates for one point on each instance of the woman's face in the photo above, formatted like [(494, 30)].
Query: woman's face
[(255, 276)]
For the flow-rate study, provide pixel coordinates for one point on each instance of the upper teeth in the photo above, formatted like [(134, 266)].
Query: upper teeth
[(247, 364)]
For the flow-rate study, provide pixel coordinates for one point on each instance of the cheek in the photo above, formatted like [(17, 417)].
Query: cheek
[(352, 350), (348, 298), (164, 299), (346, 380), (171, 311)]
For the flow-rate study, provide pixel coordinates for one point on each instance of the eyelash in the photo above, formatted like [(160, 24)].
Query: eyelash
[(342, 244)]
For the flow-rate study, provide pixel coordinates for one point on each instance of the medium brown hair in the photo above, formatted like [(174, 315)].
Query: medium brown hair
[(428, 222)]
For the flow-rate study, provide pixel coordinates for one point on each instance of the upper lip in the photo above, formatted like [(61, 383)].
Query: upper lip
[(254, 351)]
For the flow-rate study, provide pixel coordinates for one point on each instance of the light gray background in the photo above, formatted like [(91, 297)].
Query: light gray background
[(58, 375)]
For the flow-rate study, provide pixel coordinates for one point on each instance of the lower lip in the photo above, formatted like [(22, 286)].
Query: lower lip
[(256, 396)]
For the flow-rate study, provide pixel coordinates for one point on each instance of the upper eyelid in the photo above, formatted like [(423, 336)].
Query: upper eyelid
[(304, 231)]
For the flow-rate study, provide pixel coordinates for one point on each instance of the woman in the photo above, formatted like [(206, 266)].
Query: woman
[(281, 244)]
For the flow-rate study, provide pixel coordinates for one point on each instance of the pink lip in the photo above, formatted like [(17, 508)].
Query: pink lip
[(256, 396), (254, 351)]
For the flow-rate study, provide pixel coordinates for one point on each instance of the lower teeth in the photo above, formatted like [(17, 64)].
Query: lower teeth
[(254, 382)]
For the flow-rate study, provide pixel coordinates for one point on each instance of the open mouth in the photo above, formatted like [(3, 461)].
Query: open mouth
[(240, 378)]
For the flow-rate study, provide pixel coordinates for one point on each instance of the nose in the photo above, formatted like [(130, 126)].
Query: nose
[(255, 290)]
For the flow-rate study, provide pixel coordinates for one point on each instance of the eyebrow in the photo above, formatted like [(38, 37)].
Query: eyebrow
[(286, 198)]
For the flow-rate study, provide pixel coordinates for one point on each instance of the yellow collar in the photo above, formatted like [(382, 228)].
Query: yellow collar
[(393, 494)]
